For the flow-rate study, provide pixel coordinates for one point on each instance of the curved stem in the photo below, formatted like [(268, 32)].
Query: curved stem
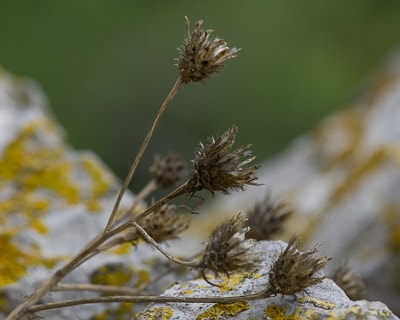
[(164, 252)]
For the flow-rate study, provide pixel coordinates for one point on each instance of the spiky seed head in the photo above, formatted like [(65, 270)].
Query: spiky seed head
[(167, 170), (294, 271), (201, 55), (350, 282), (267, 218), (228, 250), (217, 168)]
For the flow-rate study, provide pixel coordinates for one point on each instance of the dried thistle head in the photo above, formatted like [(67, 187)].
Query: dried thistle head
[(227, 249), (166, 171), (350, 282), (267, 218), (295, 271), (201, 55), (217, 168), (162, 225)]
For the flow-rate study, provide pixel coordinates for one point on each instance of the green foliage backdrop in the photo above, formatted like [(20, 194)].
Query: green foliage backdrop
[(107, 65)]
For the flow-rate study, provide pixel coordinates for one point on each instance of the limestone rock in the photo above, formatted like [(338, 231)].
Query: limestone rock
[(343, 181), (53, 201), (323, 301)]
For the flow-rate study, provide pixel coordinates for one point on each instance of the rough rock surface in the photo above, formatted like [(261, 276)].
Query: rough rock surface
[(343, 180), (54, 200), (323, 301)]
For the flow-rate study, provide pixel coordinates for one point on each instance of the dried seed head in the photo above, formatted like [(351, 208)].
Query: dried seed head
[(201, 55), (295, 271), (167, 170), (267, 218), (216, 168), (227, 249), (350, 282), (162, 225)]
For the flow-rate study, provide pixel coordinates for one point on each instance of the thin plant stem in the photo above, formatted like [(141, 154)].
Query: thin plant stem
[(178, 84), (150, 187), (96, 288), (88, 251), (164, 252), (156, 299)]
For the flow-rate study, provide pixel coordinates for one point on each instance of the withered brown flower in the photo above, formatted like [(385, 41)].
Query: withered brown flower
[(162, 225), (267, 218), (350, 282), (295, 271), (166, 171), (227, 249), (217, 168), (201, 55)]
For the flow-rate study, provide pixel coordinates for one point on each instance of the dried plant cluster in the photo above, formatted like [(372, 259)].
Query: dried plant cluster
[(217, 167), (294, 271)]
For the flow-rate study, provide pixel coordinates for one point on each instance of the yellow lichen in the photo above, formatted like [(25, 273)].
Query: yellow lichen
[(38, 176), (15, 261), (100, 183), (35, 166), (122, 312), (392, 218), (356, 176), (317, 302), (275, 312), (223, 310), (163, 313), (350, 128), (39, 226), (143, 277), (187, 292), (231, 282), (112, 274), (122, 249)]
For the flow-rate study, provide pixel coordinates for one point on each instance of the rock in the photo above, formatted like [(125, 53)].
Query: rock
[(54, 200), (343, 181), (323, 301)]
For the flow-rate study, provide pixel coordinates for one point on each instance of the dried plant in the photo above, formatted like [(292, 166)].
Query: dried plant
[(350, 282), (167, 171), (294, 271), (267, 218), (217, 167), (201, 55), (228, 250)]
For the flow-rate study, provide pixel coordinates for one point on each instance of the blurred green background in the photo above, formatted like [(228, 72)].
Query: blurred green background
[(106, 66)]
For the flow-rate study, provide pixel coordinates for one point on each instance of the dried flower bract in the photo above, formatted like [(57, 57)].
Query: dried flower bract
[(217, 168), (162, 225), (295, 271), (201, 55), (228, 250), (267, 218), (167, 170), (351, 283)]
